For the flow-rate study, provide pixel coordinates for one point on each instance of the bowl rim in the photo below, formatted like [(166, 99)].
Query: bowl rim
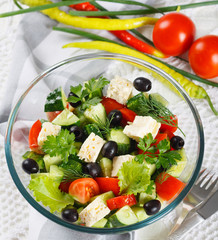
[(56, 219)]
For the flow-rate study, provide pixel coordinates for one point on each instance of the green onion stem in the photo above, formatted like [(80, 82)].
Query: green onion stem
[(42, 7)]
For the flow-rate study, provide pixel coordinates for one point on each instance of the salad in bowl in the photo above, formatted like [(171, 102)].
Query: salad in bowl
[(106, 154)]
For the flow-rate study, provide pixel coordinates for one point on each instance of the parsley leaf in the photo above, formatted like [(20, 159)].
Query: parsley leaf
[(62, 145), (94, 85), (150, 188), (93, 101)]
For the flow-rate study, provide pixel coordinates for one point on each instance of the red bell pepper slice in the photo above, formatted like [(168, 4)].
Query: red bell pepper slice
[(111, 104), (108, 184), (64, 186), (33, 137), (121, 201), (167, 186), (127, 116), (164, 127)]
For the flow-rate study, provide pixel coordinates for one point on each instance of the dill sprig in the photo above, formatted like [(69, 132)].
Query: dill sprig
[(73, 174), (104, 126)]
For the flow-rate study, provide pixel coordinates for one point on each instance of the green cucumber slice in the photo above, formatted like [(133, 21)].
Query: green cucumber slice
[(95, 113), (106, 166), (140, 213), (159, 98), (66, 118), (104, 196), (55, 172), (51, 161), (56, 101), (144, 197), (101, 223), (124, 216)]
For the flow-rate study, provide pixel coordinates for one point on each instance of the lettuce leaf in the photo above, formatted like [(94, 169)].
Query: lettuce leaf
[(134, 177), (46, 191)]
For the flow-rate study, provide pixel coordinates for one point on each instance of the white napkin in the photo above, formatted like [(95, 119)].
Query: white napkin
[(37, 47)]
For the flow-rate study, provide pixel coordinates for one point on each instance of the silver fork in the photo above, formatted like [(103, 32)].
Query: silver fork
[(196, 196)]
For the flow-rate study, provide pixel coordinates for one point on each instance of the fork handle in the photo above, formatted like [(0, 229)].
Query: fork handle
[(186, 226)]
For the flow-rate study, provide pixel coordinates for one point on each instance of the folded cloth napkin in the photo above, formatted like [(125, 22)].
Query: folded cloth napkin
[(37, 47)]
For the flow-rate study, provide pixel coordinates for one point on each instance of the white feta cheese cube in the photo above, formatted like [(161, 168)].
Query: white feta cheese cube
[(120, 89), (91, 148), (118, 162), (94, 212), (141, 126), (48, 129)]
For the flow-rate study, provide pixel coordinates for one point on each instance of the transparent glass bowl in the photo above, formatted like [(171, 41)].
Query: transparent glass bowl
[(76, 70)]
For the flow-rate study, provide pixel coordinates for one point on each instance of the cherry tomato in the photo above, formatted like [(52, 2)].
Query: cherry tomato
[(164, 127), (203, 56), (167, 186), (108, 184), (33, 137), (121, 201), (173, 34), (83, 189), (111, 104), (127, 116), (52, 115)]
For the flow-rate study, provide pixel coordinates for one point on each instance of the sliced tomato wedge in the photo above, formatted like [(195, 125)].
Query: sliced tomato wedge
[(52, 115), (64, 186), (164, 127), (169, 134), (111, 104), (127, 116), (108, 184), (167, 186), (83, 189), (33, 137), (121, 201)]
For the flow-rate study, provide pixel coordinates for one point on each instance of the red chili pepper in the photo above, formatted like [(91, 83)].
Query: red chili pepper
[(123, 35)]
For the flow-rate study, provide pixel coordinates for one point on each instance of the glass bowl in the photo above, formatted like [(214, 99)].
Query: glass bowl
[(76, 70)]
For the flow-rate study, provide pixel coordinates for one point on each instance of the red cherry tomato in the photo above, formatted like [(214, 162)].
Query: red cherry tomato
[(203, 56), (83, 189), (111, 104), (167, 186), (173, 34), (121, 201), (108, 184), (127, 116), (33, 137), (52, 115), (171, 128)]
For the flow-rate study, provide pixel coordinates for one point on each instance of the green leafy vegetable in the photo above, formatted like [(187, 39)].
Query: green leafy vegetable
[(150, 188), (62, 144), (35, 156), (104, 127), (73, 174), (134, 177), (46, 191), (87, 94), (164, 158)]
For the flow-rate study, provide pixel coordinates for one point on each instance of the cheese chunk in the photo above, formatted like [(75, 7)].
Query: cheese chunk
[(48, 129), (91, 148), (141, 126), (94, 212), (118, 162), (120, 89)]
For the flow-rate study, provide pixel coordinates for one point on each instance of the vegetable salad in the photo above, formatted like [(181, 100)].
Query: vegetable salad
[(105, 161)]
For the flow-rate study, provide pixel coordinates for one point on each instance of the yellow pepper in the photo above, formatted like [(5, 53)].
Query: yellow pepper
[(191, 88), (91, 23)]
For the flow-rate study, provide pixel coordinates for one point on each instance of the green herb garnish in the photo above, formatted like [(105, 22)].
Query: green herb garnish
[(60, 145), (73, 174)]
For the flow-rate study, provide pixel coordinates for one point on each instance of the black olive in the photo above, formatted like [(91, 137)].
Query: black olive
[(78, 132), (74, 104), (152, 207), (142, 84), (30, 166), (177, 142), (109, 150), (93, 169), (70, 214), (115, 117)]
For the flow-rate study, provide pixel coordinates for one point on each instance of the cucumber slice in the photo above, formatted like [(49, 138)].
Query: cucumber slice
[(95, 113), (56, 101), (66, 118), (89, 128), (176, 170), (123, 142), (106, 167), (101, 223), (140, 213), (159, 98), (104, 196), (152, 168), (55, 172), (124, 216), (144, 197), (51, 161)]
